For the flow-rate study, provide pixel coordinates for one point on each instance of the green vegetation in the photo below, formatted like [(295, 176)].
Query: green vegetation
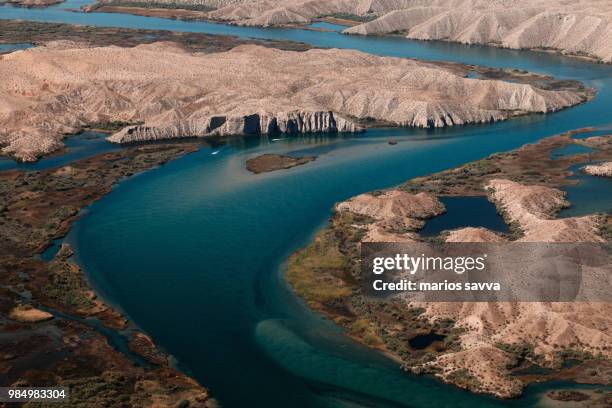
[(109, 389), (568, 395), (463, 378), (365, 330), (520, 352), (314, 271), (66, 285), (605, 230), (352, 17), (112, 126), (571, 357), (66, 282), (153, 4), (469, 176)]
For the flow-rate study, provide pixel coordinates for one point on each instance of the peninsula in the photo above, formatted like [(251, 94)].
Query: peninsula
[(65, 86), (494, 347)]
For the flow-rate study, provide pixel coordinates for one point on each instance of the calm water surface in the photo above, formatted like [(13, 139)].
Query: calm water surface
[(591, 194), (569, 150), (78, 147), (193, 251), (465, 212), (13, 47)]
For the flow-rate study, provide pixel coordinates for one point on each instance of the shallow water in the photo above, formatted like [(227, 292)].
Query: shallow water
[(193, 251), (13, 47), (48, 254)]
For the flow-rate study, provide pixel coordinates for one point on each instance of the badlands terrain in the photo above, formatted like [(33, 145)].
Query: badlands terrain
[(481, 346), (51, 91), (579, 28)]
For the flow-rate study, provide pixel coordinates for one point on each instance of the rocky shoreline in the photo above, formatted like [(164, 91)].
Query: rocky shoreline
[(601, 170), (42, 33), (43, 303), (494, 348), (581, 30), (175, 92)]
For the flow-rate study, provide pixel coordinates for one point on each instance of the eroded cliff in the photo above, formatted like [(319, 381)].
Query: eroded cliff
[(168, 92), (582, 28)]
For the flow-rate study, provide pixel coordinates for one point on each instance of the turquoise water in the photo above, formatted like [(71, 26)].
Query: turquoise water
[(465, 212), (590, 195), (85, 144), (14, 47), (392, 46), (193, 251)]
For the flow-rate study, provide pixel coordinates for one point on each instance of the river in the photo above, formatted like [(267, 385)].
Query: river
[(193, 251)]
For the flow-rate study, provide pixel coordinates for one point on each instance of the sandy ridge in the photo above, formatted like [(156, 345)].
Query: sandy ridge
[(481, 364), (582, 28), (51, 91)]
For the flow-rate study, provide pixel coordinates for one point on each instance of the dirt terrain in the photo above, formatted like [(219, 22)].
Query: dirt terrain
[(602, 170), (494, 348), (579, 28), (63, 87)]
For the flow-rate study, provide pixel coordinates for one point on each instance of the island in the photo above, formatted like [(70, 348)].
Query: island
[(42, 33), (273, 162)]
